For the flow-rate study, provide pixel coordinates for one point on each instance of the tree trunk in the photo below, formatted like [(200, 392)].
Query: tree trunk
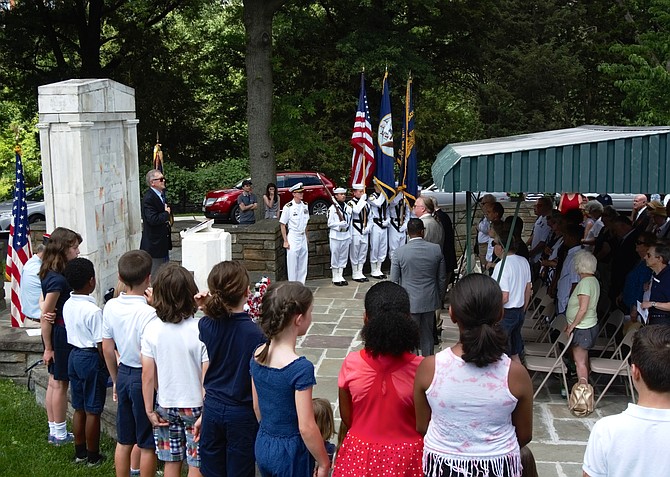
[(258, 15)]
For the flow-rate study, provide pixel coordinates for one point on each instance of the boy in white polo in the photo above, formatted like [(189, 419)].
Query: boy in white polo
[(124, 319), (86, 365), (609, 452)]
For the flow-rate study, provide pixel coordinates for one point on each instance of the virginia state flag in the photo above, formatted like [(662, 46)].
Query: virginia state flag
[(409, 181), (384, 156)]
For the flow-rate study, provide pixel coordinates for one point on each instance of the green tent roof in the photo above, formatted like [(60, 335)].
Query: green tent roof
[(583, 159)]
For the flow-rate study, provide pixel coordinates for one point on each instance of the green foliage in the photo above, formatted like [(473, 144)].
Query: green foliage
[(187, 188), (15, 130), (23, 441), (641, 69)]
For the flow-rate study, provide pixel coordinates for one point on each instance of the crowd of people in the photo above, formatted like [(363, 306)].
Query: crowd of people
[(228, 394)]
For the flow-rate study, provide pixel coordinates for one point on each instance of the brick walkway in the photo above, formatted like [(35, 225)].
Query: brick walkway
[(559, 438)]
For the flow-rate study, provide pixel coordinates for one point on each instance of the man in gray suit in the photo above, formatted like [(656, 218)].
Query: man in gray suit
[(424, 207), (418, 266)]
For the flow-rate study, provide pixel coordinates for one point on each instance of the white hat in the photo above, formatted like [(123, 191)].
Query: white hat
[(297, 188), (340, 190), (358, 186)]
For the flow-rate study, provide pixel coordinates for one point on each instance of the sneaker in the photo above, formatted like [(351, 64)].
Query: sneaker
[(95, 463), (80, 460), (69, 437), (564, 393), (134, 472)]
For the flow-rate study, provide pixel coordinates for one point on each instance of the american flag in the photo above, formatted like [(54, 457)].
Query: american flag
[(18, 251), (361, 140)]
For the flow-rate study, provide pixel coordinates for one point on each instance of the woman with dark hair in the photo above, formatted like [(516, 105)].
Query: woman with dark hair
[(271, 200), (474, 405), (375, 391)]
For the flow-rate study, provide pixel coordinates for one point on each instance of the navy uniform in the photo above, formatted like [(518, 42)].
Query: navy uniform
[(400, 213), (379, 233), (360, 229), (293, 223), (339, 235)]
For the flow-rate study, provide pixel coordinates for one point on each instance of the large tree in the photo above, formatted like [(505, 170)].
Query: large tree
[(258, 16)]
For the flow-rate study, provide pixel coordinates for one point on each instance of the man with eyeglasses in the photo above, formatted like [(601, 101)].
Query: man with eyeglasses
[(658, 305), (156, 221)]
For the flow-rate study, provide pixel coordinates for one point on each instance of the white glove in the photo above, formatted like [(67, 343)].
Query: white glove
[(386, 223), (403, 228)]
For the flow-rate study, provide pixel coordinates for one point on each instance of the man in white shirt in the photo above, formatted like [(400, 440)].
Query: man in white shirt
[(608, 452), (541, 231)]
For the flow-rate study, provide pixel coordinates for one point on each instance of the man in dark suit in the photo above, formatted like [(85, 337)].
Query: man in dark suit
[(418, 266), (156, 221)]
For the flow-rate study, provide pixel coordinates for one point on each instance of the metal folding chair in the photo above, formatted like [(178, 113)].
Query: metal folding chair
[(551, 365)]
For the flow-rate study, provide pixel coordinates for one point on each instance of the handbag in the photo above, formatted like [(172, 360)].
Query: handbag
[(580, 401)]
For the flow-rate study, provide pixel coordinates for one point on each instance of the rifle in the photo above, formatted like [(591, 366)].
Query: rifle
[(337, 207)]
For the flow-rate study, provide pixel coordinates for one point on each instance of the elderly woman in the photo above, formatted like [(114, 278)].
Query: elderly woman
[(659, 299), (581, 312), (593, 224)]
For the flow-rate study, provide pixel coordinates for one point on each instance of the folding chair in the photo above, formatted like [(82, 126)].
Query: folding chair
[(546, 349), (539, 333), (615, 366), (605, 340), (550, 365)]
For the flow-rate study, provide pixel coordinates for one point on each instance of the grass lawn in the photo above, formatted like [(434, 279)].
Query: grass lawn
[(24, 450)]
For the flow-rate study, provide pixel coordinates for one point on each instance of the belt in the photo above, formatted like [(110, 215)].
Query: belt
[(90, 350), (294, 232)]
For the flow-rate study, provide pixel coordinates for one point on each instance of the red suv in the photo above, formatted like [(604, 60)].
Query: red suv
[(222, 204)]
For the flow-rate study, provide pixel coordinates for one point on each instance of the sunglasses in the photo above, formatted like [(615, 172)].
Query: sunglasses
[(159, 179)]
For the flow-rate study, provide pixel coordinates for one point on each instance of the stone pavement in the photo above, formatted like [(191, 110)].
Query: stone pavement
[(559, 438)]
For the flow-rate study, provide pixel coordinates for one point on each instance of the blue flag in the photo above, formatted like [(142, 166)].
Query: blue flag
[(409, 182), (384, 175)]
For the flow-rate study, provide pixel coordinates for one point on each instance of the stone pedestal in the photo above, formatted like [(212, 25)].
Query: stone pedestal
[(88, 141)]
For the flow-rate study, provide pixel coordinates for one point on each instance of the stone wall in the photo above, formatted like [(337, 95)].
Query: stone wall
[(261, 248)]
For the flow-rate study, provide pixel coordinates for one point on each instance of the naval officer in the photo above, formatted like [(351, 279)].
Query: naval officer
[(293, 223)]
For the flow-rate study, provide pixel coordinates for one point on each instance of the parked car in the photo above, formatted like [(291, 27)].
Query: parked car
[(446, 199), (222, 205), (35, 202)]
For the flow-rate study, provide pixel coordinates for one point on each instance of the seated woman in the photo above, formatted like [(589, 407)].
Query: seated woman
[(474, 405), (376, 391)]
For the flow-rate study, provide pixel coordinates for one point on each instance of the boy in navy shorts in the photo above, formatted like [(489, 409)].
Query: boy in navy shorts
[(86, 366), (124, 319)]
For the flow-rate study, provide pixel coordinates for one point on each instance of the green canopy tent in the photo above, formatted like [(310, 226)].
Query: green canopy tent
[(602, 159)]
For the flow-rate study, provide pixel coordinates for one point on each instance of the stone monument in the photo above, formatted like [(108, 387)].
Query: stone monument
[(90, 169)]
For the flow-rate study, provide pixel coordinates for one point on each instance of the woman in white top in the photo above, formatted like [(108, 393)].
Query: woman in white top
[(474, 405)]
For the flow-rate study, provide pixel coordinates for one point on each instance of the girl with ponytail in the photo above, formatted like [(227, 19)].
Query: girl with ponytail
[(474, 405), (288, 439), (227, 428)]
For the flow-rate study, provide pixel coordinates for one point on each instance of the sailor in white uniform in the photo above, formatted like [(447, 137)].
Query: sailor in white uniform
[(379, 232), (360, 229), (339, 223), (293, 223), (399, 212)]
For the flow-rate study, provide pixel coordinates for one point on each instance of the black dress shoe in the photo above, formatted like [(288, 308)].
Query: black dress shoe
[(380, 277), (344, 283), (365, 279), (337, 284), (360, 280)]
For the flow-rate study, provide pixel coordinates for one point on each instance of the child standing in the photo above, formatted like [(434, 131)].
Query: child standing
[(227, 428), (174, 361), (86, 366), (62, 247), (376, 391), (124, 319), (282, 385), (323, 414)]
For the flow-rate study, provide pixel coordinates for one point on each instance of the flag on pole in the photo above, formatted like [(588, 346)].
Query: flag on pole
[(158, 156), (384, 174), (409, 181), (18, 251), (362, 160)]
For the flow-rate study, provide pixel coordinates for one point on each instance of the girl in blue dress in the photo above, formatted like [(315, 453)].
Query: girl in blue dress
[(281, 383)]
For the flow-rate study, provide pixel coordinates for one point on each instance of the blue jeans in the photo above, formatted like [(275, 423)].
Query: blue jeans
[(227, 439), (512, 322)]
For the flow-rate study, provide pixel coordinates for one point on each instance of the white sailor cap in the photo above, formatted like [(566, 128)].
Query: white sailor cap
[(340, 190), (297, 188), (358, 186)]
